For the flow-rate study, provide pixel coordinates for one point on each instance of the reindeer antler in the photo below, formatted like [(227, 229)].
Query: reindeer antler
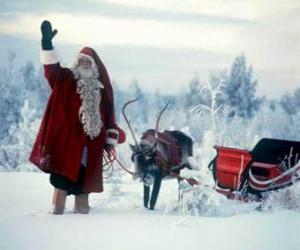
[(158, 118), (127, 121)]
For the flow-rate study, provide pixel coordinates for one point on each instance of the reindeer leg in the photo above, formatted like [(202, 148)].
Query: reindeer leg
[(146, 195), (156, 188)]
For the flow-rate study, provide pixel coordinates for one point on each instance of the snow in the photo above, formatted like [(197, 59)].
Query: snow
[(120, 222)]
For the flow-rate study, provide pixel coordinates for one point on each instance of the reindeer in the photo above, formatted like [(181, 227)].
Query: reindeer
[(159, 156)]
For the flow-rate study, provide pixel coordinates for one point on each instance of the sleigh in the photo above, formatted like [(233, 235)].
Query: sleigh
[(272, 164)]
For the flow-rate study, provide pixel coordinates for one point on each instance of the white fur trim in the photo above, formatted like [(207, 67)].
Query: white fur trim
[(48, 57), (87, 56), (110, 140)]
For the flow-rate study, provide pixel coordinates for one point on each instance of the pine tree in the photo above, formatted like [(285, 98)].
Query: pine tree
[(291, 103), (241, 89)]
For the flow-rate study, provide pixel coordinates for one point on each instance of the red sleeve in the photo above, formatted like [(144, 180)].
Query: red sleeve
[(53, 71)]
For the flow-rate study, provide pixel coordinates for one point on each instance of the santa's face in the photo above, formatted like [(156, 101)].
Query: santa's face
[(85, 69), (84, 63)]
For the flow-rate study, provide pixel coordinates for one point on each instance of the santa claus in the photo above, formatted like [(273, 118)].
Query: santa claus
[(78, 125)]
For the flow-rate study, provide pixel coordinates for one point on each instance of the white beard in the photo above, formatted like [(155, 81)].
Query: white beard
[(85, 73), (89, 89)]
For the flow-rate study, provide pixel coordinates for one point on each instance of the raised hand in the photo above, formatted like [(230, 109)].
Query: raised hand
[(47, 35)]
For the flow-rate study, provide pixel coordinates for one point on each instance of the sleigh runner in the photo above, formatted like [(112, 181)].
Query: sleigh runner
[(271, 165)]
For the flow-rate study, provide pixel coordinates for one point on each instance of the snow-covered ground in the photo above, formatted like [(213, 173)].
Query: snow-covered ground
[(120, 222)]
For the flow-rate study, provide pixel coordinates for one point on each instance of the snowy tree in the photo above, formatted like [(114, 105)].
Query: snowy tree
[(212, 108), (241, 89), (215, 78), (209, 112), (15, 154), (21, 87), (18, 83), (291, 103), (11, 85), (192, 95), (37, 89)]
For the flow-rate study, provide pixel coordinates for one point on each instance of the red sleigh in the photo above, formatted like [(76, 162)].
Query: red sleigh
[(271, 165)]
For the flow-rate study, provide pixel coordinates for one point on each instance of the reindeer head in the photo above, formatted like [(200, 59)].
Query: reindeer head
[(143, 154)]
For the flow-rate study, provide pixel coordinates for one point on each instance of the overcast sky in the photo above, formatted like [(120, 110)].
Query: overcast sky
[(164, 43)]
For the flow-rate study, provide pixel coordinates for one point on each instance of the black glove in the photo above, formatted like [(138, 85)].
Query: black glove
[(47, 35)]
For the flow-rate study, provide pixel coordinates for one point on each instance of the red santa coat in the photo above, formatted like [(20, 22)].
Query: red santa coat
[(59, 144)]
